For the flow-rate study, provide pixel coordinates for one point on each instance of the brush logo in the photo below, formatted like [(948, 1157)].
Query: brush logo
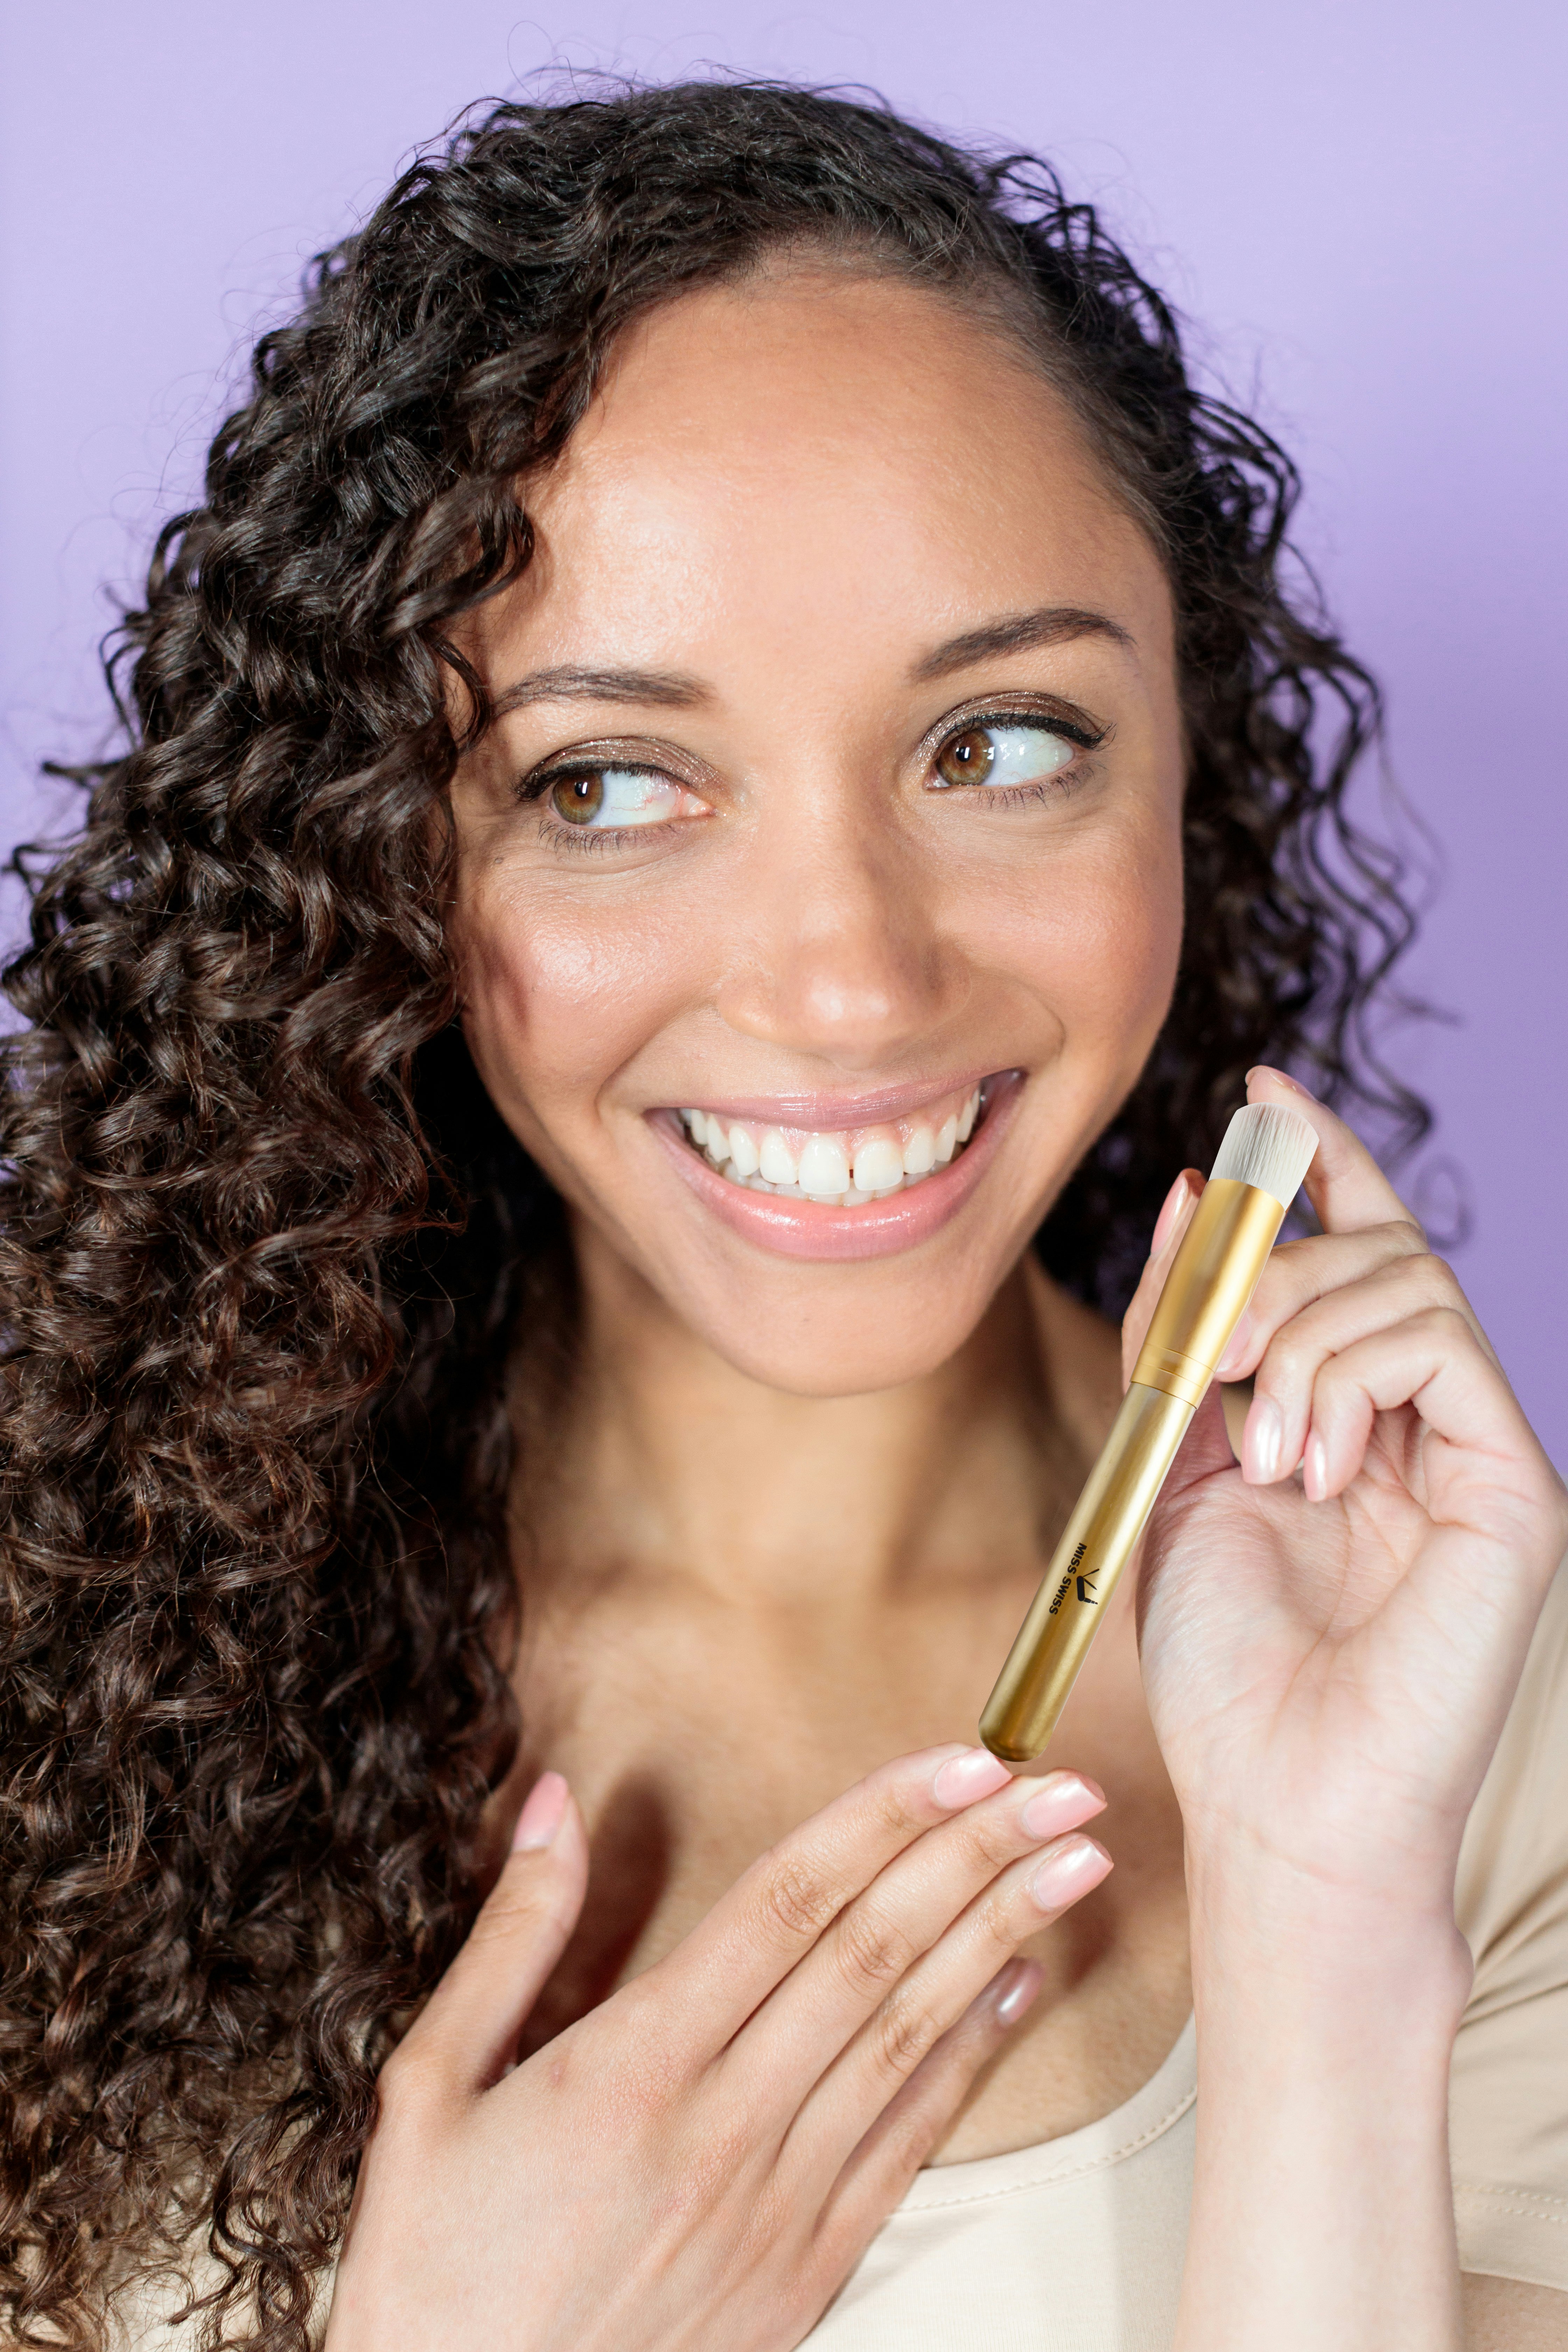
[(1091, 1600)]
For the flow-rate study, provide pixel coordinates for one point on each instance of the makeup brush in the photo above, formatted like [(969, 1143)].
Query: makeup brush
[(1266, 1154)]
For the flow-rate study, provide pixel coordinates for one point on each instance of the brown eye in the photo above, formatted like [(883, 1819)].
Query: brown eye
[(578, 798), (966, 759)]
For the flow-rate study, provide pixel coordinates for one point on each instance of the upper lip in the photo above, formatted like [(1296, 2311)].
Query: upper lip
[(824, 1112)]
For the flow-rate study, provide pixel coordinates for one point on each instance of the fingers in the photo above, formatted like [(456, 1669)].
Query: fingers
[(917, 2118), (878, 1939), (1415, 1288), (1344, 1183), (1301, 1273), (775, 1913), (1432, 1362), (466, 2034), (909, 2021)]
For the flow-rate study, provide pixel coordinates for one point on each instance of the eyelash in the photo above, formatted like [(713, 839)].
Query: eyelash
[(600, 840), (1046, 788)]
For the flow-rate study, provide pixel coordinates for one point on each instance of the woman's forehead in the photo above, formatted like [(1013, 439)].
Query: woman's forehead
[(815, 455)]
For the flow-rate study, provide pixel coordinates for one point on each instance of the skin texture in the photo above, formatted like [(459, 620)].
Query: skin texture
[(786, 1515)]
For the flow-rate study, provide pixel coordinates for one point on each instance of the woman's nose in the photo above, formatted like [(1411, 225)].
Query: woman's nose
[(839, 950)]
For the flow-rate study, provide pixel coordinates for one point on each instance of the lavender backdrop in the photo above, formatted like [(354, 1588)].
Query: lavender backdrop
[(1361, 202)]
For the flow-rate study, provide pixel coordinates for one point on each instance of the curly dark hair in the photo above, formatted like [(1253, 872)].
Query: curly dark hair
[(266, 1248)]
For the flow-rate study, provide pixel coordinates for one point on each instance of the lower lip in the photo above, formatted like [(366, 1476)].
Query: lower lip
[(810, 1229)]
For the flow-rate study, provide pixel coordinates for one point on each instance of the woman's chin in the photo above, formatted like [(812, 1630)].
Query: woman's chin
[(833, 1339)]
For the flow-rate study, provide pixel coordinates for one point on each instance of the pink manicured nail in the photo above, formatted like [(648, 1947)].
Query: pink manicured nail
[(542, 1816), (1234, 1355), (1315, 1470), (1262, 1441), (1281, 1078), (1068, 1871), (1062, 1799), (1166, 1223), (965, 1779), (1014, 1989)]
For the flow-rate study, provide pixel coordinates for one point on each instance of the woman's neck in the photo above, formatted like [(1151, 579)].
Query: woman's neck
[(664, 1462)]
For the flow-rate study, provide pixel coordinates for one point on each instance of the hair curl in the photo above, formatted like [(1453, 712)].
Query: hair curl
[(265, 1246)]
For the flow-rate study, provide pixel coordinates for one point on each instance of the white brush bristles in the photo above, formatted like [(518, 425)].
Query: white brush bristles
[(1267, 1146)]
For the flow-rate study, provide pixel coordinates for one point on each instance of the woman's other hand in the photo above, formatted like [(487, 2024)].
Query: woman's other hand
[(702, 2159), (1331, 1632)]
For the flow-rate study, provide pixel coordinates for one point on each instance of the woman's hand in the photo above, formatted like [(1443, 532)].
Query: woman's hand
[(1328, 1657), (1328, 1661), (701, 2161)]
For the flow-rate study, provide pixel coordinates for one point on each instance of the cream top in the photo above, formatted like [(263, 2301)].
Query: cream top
[(1076, 2245)]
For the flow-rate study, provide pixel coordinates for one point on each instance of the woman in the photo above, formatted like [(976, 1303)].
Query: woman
[(726, 750)]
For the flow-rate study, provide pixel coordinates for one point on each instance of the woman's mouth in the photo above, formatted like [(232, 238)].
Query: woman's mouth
[(846, 1186), (846, 1168)]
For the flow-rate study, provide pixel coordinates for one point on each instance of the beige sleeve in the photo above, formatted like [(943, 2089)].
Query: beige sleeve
[(1509, 2099)]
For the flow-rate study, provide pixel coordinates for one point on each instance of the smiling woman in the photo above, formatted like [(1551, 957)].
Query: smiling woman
[(722, 791)]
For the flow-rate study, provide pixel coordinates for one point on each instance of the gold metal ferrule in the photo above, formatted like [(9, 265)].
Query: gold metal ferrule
[(1211, 1277)]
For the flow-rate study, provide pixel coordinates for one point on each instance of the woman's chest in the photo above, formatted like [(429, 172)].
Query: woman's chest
[(683, 1788)]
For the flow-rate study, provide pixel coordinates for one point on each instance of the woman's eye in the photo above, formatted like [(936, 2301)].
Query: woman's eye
[(1003, 755), (609, 797)]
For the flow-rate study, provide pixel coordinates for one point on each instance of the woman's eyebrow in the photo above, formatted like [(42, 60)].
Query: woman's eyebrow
[(570, 682), (1015, 632)]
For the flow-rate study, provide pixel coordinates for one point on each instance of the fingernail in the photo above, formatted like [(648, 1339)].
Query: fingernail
[(1014, 1989), (965, 1779), (1060, 1797), (1068, 1871), (1280, 1079), (542, 1816), (1262, 1440), (1315, 1470), (1234, 1355), (1166, 1223)]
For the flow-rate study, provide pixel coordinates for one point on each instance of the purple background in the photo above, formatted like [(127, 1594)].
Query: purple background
[(1361, 202)]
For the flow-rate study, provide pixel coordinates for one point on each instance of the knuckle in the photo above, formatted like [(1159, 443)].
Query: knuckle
[(1447, 1321), (903, 2033), (517, 1909), (871, 1951), (894, 1802), (798, 1902), (991, 1840), (1290, 1362)]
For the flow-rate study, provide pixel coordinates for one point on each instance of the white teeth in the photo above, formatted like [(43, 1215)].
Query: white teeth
[(878, 1167), (743, 1153), (775, 1160), (825, 1171), (824, 1168), (920, 1153)]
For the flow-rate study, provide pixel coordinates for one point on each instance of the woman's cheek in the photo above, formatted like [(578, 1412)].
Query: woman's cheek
[(557, 998), (1095, 935)]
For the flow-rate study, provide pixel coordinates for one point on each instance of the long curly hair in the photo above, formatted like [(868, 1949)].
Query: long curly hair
[(266, 1249)]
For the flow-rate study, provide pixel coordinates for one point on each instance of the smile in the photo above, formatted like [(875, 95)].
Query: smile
[(849, 1181), (847, 1168)]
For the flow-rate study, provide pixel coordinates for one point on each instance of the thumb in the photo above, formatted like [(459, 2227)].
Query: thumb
[(1173, 1220), (467, 2033)]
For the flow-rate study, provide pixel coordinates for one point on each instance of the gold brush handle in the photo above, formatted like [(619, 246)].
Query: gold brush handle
[(1112, 1512), (1211, 1277)]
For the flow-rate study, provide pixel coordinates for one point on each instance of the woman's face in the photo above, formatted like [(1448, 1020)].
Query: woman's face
[(838, 782)]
